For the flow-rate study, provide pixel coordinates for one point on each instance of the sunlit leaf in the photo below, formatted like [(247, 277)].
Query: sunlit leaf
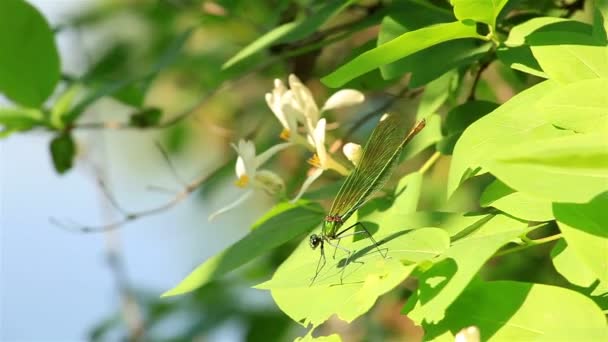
[(584, 229), (514, 311), (444, 282), (520, 205)]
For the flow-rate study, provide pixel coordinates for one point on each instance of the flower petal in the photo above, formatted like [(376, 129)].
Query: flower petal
[(303, 97), (319, 139), (313, 176), (232, 205), (246, 163), (353, 152), (343, 98)]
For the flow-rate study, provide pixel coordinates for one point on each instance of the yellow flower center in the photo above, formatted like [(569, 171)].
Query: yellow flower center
[(242, 181), (314, 161), (285, 134)]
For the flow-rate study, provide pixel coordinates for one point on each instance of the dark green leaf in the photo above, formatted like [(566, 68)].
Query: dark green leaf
[(63, 150), (459, 118), (266, 236), (28, 55), (400, 47)]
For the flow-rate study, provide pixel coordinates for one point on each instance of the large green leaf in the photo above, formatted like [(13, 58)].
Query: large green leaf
[(570, 265), (572, 168), (584, 229), (520, 205), (427, 137), (400, 47), (565, 49), (516, 120), (28, 55), (514, 311), (430, 63), (367, 275), (461, 117), (443, 283), (577, 106), (483, 11), (569, 57), (274, 231), (292, 31), (436, 93)]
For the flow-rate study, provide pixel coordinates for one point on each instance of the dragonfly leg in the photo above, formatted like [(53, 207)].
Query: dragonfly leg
[(319, 264), (349, 252), (369, 235)]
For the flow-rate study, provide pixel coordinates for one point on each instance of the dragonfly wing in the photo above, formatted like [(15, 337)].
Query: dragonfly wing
[(376, 164)]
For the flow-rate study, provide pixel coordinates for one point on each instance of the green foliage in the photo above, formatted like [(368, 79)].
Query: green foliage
[(28, 55), (514, 97)]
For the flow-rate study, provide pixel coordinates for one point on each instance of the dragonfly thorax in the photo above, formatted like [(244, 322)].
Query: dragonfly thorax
[(331, 225)]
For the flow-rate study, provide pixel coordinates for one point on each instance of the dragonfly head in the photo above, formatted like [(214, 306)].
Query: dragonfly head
[(315, 240)]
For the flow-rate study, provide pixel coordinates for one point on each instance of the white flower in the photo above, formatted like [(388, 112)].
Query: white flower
[(353, 152), (321, 160), (250, 177), (297, 105)]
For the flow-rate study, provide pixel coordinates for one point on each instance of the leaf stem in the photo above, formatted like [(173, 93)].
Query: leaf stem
[(529, 243), (427, 165)]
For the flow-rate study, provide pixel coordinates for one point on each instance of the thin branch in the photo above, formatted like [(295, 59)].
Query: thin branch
[(133, 216), (482, 67)]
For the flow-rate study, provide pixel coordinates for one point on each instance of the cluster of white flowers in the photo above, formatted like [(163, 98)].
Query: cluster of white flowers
[(298, 113)]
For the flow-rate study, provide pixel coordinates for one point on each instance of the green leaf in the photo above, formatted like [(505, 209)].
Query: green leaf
[(19, 120), (600, 20), (430, 63), (289, 32), (435, 94), (568, 264), (28, 54), (572, 168), (270, 234), (520, 205), (514, 121), (367, 276), (514, 311), (483, 11), (62, 106), (309, 337), (449, 276), (520, 58), (63, 150), (461, 117), (568, 57), (584, 229), (145, 118), (566, 50), (577, 106), (400, 47)]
